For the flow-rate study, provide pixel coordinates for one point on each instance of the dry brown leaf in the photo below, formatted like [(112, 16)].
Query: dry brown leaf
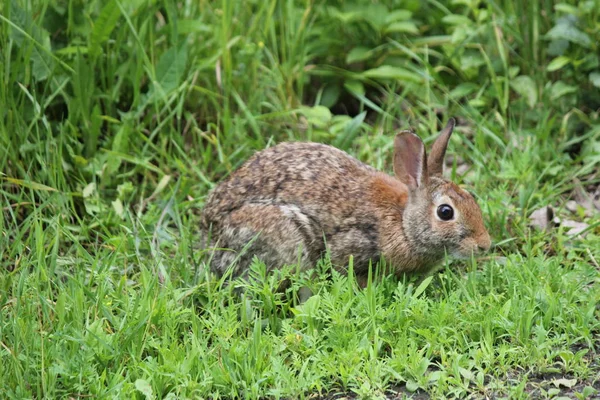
[(542, 218), (568, 383), (575, 227)]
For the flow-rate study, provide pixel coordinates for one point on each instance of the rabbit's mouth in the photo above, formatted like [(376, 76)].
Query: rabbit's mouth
[(461, 254), (470, 249)]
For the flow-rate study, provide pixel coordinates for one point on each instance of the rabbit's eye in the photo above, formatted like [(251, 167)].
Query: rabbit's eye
[(445, 212)]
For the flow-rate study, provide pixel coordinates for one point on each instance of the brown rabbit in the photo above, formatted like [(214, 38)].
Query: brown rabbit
[(286, 203)]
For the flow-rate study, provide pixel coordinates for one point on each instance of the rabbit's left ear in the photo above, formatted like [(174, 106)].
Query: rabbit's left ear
[(435, 162), (410, 164)]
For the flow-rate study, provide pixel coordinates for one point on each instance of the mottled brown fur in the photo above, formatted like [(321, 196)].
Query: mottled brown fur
[(288, 202)]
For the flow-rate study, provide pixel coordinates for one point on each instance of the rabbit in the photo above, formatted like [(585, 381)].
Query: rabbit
[(290, 203)]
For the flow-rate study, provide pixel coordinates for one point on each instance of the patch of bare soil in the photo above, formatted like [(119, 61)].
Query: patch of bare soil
[(541, 386), (396, 393)]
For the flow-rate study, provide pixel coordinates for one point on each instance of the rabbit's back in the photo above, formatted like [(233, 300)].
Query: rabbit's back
[(295, 194), (314, 177)]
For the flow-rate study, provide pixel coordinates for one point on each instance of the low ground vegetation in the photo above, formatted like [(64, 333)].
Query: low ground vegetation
[(117, 117)]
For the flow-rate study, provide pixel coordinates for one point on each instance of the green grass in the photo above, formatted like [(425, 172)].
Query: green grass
[(116, 119)]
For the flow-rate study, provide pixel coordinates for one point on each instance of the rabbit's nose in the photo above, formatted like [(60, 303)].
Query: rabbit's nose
[(484, 242)]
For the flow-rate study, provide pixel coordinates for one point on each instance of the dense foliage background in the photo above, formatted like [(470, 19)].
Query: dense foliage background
[(117, 117)]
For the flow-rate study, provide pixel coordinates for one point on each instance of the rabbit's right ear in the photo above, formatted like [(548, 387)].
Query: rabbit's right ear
[(410, 160), (435, 164)]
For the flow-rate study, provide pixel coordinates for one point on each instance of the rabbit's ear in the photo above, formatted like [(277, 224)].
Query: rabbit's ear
[(435, 162), (410, 158)]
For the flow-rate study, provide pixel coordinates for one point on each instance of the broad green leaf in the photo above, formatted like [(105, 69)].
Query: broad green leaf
[(339, 124), (455, 19), (311, 306), (318, 116), (355, 87), (187, 26), (477, 102), (359, 53), (144, 386), (124, 189), (558, 47), (466, 3), (162, 184), (462, 90), (390, 72), (120, 142), (345, 17), (595, 78), (103, 26), (467, 374), (170, 68), (566, 8), (94, 207), (403, 26), (330, 95), (559, 89), (553, 392), (375, 14), (27, 34), (351, 129), (588, 391), (568, 31), (526, 87), (558, 63), (412, 386), (434, 376), (398, 15), (439, 40), (89, 190), (587, 7), (505, 310), (421, 288), (118, 207), (72, 50)]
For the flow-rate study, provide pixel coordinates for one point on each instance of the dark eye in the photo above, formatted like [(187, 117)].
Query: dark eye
[(445, 212)]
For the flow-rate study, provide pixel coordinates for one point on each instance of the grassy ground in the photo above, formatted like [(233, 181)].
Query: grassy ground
[(117, 117)]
